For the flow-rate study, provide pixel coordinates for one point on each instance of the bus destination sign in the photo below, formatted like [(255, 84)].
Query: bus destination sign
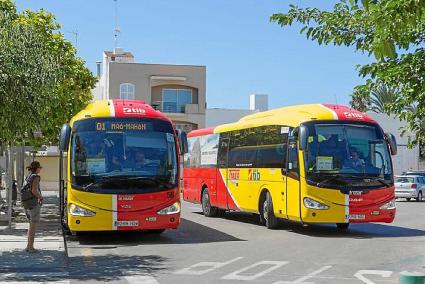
[(121, 126)]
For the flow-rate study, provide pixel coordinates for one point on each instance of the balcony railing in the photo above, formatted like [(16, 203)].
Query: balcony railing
[(169, 107)]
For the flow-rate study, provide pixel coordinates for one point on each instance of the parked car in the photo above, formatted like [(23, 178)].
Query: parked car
[(410, 186), (419, 173)]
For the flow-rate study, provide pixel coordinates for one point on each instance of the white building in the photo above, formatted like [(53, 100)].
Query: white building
[(218, 116), (406, 158)]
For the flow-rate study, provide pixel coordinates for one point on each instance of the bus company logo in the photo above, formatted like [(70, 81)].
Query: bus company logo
[(234, 175), (125, 197), (131, 110), (357, 192), (348, 114), (356, 199), (125, 206), (254, 174)]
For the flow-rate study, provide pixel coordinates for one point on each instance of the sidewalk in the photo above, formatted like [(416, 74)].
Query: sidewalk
[(47, 265)]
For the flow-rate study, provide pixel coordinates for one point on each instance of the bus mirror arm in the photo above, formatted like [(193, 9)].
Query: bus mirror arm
[(184, 148), (392, 143), (302, 137), (64, 137)]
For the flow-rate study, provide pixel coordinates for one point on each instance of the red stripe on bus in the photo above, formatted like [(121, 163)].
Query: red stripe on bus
[(201, 132), (346, 113)]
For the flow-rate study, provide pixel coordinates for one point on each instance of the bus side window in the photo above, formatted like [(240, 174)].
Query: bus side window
[(223, 148)]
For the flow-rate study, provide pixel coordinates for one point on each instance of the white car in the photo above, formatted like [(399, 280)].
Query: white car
[(410, 186)]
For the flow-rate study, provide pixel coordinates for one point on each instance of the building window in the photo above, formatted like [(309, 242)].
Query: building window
[(127, 91), (175, 100), (186, 127)]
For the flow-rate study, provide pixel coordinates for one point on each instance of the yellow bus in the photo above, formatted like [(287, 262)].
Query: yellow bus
[(316, 163), (122, 169)]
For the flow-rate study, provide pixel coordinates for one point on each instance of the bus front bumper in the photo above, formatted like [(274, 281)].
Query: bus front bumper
[(105, 220), (351, 215)]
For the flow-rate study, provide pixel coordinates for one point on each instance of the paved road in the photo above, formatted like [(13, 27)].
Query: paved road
[(234, 248)]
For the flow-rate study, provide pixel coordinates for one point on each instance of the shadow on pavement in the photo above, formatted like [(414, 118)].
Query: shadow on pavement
[(104, 268), (188, 233), (18, 262), (49, 223), (363, 231)]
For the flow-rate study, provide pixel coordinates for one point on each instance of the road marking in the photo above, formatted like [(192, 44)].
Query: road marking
[(307, 277), (21, 275), (237, 274), (33, 282), (191, 270), (141, 279), (360, 275)]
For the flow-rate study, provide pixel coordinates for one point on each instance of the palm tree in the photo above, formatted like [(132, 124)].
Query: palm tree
[(381, 98)]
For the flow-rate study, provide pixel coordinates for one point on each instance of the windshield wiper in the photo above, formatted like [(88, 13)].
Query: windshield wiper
[(335, 177), (378, 179)]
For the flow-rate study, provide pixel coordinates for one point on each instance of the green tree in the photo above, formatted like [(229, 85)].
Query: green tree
[(381, 98), (393, 31), (42, 81)]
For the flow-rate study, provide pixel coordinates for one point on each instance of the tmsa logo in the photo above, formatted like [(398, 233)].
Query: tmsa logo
[(254, 174), (132, 110)]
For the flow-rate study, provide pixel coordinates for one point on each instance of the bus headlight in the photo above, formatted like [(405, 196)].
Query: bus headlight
[(76, 210), (313, 204), (388, 206), (173, 209)]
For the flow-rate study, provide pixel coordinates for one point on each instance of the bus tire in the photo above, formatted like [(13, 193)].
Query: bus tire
[(342, 226), (408, 199), (267, 212), (207, 209)]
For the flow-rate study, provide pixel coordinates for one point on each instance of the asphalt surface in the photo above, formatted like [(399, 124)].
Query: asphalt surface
[(234, 248)]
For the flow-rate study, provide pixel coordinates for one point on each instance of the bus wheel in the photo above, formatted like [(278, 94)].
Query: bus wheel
[(207, 209), (267, 212), (343, 226), (408, 199)]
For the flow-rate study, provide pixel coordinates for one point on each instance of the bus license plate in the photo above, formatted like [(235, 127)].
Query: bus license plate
[(127, 223), (356, 217)]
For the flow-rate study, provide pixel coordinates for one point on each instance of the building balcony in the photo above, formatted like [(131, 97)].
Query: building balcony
[(172, 107)]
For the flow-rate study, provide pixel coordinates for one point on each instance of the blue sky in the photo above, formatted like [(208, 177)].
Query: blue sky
[(244, 52)]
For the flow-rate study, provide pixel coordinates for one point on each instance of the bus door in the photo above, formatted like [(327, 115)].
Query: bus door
[(223, 174), (293, 193)]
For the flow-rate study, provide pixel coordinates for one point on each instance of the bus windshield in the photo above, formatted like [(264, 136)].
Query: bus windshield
[(341, 155), (123, 155)]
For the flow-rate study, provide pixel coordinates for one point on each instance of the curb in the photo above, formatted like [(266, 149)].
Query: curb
[(411, 278)]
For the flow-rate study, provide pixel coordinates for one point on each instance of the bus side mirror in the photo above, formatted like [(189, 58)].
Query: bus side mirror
[(64, 137), (392, 143), (184, 148), (302, 136)]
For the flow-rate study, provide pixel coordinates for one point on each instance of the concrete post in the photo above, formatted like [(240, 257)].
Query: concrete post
[(9, 177), (20, 167)]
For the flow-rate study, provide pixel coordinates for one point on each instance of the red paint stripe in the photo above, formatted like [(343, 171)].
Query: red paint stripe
[(349, 114), (201, 132), (136, 108)]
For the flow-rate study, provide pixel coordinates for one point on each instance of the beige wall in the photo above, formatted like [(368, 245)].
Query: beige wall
[(50, 172), (150, 90)]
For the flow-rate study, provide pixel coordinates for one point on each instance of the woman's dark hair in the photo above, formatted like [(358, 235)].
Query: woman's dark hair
[(34, 166)]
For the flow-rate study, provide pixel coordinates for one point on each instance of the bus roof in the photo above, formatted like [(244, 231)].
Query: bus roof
[(119, 108), (290, 116)]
